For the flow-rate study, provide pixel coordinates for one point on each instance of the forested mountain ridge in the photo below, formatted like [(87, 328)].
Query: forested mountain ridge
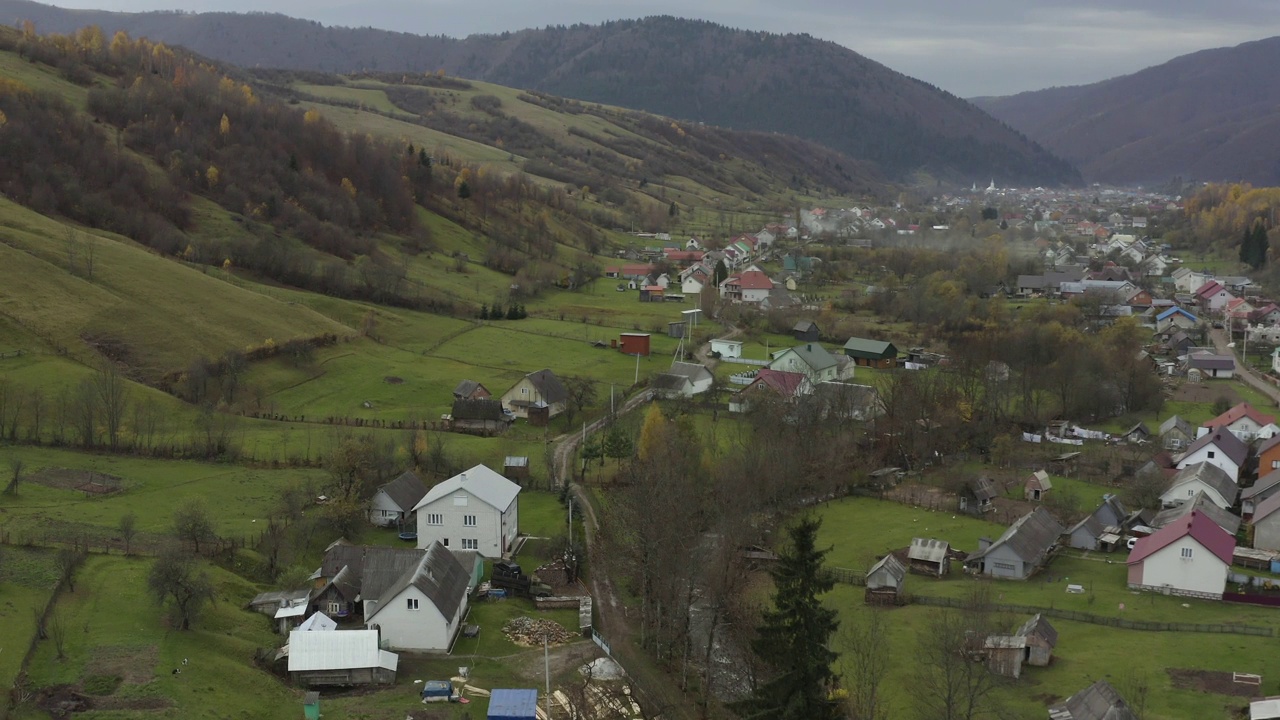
[(1205, 116), (686, 69)]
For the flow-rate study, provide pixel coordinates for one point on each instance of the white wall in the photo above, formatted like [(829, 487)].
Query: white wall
[(1204, 572), (1219, 459), (454, 508), (382, 511), (421, 629)]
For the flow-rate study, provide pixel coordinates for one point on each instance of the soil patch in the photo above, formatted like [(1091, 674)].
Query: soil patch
[(1214, 681), (1206, 393), (63, 701), (393, 380), (134, 665), (87, 481)]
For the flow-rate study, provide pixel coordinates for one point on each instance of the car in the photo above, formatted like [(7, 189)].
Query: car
[(1218, 326), (1132, 541)]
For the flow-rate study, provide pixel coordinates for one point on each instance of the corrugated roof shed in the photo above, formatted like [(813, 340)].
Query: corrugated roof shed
[(1099, 701), (888, 573), (513, 705), (928, 550), (481, 482), (870, 349), (339, 650)]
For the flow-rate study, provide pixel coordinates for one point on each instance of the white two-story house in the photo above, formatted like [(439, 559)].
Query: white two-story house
[(473, 510)]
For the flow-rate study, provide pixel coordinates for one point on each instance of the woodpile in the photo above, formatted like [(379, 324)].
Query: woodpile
[(530, 632)]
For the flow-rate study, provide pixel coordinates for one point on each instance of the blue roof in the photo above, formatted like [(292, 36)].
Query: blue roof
[(1173, 310), (513, 705)]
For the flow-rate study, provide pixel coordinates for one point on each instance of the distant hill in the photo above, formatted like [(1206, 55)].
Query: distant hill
[(1210, 115), (684, 69)]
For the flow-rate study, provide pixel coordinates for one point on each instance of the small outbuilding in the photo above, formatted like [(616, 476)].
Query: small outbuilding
[(1041, 638), (516, 467), (513, 705), (978, 496), (872, 353), (634, 344), (1037, 486), (885, 581), (927, 556), (392, 505), (342, 657), (1099, 701), (806, 331), (727, 348)]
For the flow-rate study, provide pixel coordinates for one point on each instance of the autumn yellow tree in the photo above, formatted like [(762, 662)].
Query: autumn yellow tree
[(652, 432), (224, 126), (212, 175), (348, 187)]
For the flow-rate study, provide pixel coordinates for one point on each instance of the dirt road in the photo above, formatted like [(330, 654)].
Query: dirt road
[(1244, 371)]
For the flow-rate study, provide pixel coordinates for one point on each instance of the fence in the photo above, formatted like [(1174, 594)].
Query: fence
[(1248, 599), (743, 378), (1102, 620), (744, 361), (857, 578)]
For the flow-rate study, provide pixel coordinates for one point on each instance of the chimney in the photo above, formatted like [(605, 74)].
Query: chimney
[(463, 477), (983, 543)]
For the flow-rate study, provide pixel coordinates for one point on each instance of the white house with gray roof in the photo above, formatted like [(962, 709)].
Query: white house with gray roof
[(473, 510), (812, 360), (1201, 477), (424, 607), (393, 503), (1022, 550)]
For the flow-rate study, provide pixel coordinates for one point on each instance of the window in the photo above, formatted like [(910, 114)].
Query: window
[(469, 520), (1004, 566), (524, 391), (445, 542), (1275, 464), (471, 544), (459, 500), (435, 519), (1191, 492), (412, 603), (1211, 454), (335, 608), (1186, 553)]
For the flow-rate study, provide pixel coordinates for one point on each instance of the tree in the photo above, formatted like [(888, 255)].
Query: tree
[(67, 560), (580, 394), (673, 210), (192, 524), (990, 213), (865, 663), (652, 432), (176, 578), (618, 445), (954, 684), (128, 528), (16, 466), (721, 273), (109, 387), (464, 190), (794, 635)]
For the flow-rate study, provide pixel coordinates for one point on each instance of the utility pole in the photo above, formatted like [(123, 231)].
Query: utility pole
[(546, 667)]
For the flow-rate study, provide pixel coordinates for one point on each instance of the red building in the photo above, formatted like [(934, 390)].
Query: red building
[(634, 343)]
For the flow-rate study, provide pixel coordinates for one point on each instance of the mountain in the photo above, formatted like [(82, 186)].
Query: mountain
[(1211, 115), (680, 68)]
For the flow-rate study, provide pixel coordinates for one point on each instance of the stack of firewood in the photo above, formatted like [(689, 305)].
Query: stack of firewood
[(528, 631)]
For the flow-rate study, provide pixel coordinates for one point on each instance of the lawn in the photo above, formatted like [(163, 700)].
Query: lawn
[(29, 578)]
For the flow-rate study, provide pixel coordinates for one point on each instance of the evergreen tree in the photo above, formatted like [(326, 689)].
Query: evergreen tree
[(484, 312), (671, 211), (513, 312), (794, 636), (464, 190), (1246, 246), (721, 273), (1261, 245)]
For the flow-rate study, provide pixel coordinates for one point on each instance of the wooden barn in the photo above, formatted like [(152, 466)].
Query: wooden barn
[(516, 467), (885, 581), (1041, 639), (482, 416), (872, 353), (1037, 486), (806, 331)]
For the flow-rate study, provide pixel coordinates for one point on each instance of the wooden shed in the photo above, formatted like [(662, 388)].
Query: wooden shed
[(1037, 486), (872, 353), (516, 467), (885, 581), (927, 556), (1041, 638), (634, 343), (806, 331)]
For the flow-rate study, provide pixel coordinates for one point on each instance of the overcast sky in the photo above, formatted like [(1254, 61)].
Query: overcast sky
[(990, 47)]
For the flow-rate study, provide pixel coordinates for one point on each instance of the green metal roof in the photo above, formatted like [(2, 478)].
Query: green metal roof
[(870, 349)]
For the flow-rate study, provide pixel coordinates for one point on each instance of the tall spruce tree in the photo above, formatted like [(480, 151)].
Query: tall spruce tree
[(1261, 244), (794, 636), (1246, 246)]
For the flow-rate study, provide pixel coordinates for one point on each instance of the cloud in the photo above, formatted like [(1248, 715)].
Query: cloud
[(988, 48)]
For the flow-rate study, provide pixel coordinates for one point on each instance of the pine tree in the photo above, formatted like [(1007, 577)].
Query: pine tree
[(1246, 246), (1261, 245), (484, 312), (794, 636)]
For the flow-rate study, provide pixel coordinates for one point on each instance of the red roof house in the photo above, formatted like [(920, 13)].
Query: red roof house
[(1243, 421), (1189, 557)]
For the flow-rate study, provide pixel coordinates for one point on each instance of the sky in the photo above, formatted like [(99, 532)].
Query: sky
[(990, 47)]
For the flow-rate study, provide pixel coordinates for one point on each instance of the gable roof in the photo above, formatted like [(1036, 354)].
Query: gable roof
[(693, 371), (983, 488), (483, 483), (928, 550), (1209, 289), (549, 386), (1266, 508), (814, 355), (1264, 483), (1030, 537), (477, 409), (1243, 410), (782, 382), (342, 650), (890, 565), (1211, 475), (1210, 361), (669, 381), (318, 622), (1176, 422), (1099, 701), (1094, 523), (805, 326), (869, 349), (1039, 480), (1197, 525), (1225, 519), (406, 490), (751, 280), (466, 387), (1037, 626), (1230, 445), (437, 574), (1176, 311)]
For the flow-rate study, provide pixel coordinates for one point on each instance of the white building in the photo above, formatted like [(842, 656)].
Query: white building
[(474, 510), (423, 610), (1190, 557)]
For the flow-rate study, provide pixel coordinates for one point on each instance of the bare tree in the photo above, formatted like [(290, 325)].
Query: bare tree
[(84, 409), (61, 416), (234, 365), (128, 528), (955, 683), (1135, 688), (16, 466), (36, 411), (865, 664), (68, 560), (58, 631), (581, 394), (110, 389), (175, 577)]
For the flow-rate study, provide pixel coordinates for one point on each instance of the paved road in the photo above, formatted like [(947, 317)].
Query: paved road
[(1244, 371)]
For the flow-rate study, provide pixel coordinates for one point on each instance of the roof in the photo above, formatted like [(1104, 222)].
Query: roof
[(1176, 311), (318, 622), (1030, 537), (438, 575), (481, 482), (1211, 475), (891, 565), (1039, 480), (693, 371), (477, 409), (751, 280), (813, 355), (1209, 361), (384, 567), (669, 381), (1208, 289), (805, 326), (1037, 626), (1264, 709), (1239, 412), (1230, 445), (1178, 423), (280, 598), (406, 490), (466, 387), (1201, 504), (513, 704), (784, 383), (338, 650), (1093, 522), (870, 349), (1099, 701), (549, 386), (1265, 508), (983, 488), (1198, 526), (928, 550), (1264, 483)]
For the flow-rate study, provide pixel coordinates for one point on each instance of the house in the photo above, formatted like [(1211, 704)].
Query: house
[(1204, 477), (927, 556), (785, 386), (1202, 504), (392, 505), (474, 510), (1266, 486), (726, 348), (805, 331), (1176, 433), (1219, 448), (538, 395), (343, 657), (812, 360), (1037, 486), (1022, 550), (1041, 638), (751, 286), (872, 353), (1100, 529), (845, 401), (1175, 317), (1213, 296), (1099, 701), (1266, 523), (977, 495), (1243, 421), (423, 609), (470, 390), (1188, 558), (683, 380), (884, 582), (479, 416)]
